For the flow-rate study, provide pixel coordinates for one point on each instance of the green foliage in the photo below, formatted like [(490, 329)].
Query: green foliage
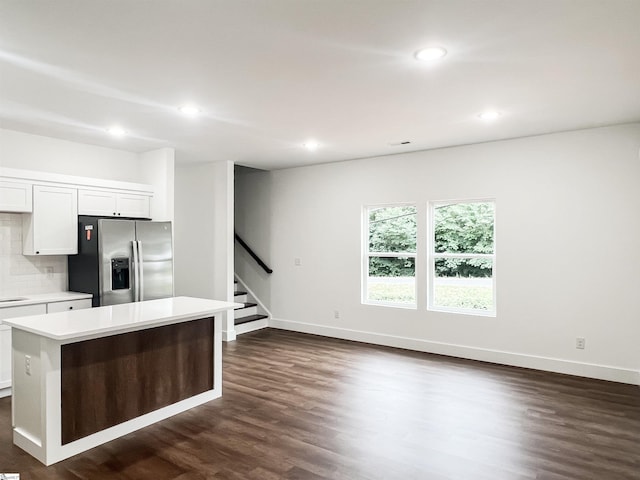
[(464, 228), (459, 228), (392, 267), (392, 229)]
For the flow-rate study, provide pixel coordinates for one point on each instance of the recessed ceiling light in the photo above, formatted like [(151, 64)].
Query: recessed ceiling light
[(116, 131), (430, 54), (189, 109), (489, 115), (311, 145)]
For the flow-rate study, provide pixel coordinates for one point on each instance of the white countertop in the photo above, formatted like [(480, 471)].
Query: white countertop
[(41, 298), (113, 319)]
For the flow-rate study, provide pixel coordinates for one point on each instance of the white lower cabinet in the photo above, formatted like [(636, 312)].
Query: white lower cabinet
[(5, 338), (55, 307), (23, 311), (5, 356)]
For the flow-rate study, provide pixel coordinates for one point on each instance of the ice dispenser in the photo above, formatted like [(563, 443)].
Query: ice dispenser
[(120, 273)]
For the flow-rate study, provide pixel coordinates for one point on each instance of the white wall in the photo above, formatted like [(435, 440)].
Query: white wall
[(567, 236), (204, 234), (26, 275), (45, 154)]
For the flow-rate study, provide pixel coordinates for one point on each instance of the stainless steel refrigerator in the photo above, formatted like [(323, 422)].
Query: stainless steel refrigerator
[(122, 261)]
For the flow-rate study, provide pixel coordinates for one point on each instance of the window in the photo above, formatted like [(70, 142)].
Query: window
[(462, 257), (389, 266)]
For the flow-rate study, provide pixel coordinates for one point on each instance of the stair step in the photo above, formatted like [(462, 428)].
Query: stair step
[(246, 311), (250, 318), (239, 296), (247, 305)]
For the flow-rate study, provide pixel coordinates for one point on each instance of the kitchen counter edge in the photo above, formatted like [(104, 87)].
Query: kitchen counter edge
[(114, 319)]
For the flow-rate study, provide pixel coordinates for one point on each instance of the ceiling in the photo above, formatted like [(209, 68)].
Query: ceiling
[(269, 75)]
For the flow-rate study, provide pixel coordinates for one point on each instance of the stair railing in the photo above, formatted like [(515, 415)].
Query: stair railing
[(258, 260)]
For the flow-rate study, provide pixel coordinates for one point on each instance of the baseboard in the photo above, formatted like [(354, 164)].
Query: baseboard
[(602, 372), (228, 335)]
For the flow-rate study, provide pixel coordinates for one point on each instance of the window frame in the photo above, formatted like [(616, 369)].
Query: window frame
[(432, 256), (366, 255)]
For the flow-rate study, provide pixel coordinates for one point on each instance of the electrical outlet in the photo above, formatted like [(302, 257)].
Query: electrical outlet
[(27, 364), (49, 272), (297, 262), (336, 314), (580, 343)]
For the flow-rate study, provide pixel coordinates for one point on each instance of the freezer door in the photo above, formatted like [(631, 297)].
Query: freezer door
[(156, 259), (115, 254)]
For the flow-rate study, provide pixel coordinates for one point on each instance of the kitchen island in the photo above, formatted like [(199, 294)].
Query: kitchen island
[(83, 378)]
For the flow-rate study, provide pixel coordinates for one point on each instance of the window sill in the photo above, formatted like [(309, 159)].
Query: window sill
[(392, 305), (460, 311)]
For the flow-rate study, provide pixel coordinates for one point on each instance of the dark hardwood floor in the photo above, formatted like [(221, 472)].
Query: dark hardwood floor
[(297, 406)]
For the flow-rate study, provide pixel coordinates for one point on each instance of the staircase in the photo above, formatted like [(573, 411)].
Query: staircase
[(251, 316)]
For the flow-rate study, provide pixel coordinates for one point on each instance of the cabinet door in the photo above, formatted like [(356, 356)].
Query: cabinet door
[(131, 205), (15, 197), (95, 202), (5, 337), (52, 228), (5, 356), (68, 305), (22, 311)]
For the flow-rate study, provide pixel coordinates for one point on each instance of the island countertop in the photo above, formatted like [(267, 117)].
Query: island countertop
[(114, 319)]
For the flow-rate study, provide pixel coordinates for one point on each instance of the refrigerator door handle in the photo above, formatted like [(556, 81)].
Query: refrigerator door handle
[(136, 275), (140, 272)]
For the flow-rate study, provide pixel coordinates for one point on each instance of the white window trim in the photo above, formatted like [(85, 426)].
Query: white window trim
[(432, 256), (366, 254)]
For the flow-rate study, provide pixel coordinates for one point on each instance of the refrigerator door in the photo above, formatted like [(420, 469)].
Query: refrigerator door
[(115, 254), (156, 259)]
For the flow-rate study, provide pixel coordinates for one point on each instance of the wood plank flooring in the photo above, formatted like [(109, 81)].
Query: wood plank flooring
[(298, 406)]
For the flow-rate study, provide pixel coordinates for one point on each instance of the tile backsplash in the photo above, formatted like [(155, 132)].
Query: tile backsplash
[(25, 275)]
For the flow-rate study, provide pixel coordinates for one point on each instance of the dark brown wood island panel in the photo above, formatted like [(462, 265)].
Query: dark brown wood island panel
[(107, 381)]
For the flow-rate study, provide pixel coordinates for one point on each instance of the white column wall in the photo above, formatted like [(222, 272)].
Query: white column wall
[(157, 168), (204, 234)]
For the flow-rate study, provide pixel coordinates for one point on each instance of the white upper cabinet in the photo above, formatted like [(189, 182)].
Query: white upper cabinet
[(96, 202), (52, 228), (15, 197), (131, 205), (113, 204)]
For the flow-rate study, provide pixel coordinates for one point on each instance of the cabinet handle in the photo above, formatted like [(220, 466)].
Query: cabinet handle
[(114, 213), (38, 252), (119, 213), (70, 308)]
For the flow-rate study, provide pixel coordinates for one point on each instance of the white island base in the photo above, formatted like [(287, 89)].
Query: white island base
[(83, 378)]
